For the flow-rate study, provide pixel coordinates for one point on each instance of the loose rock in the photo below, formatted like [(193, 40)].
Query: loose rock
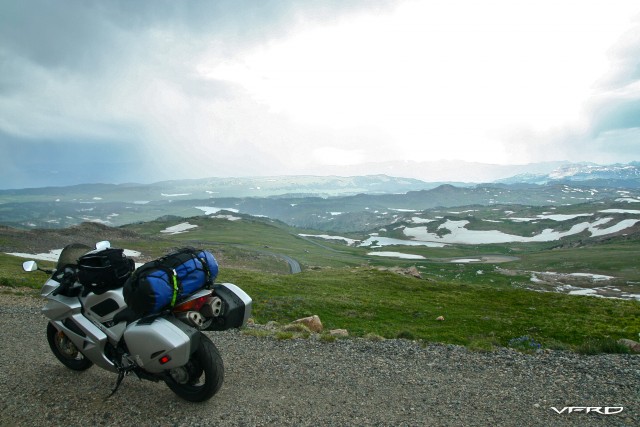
[(312, 322)]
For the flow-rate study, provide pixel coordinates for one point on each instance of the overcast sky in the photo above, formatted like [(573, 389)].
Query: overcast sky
[(117, 91)]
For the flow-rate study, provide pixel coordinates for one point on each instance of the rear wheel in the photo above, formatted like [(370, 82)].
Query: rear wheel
[(201, 377), (66, 351)]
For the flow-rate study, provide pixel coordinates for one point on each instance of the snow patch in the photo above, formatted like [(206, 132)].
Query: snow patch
[(402, 210), (388, 241), (459, 234), (209, 210), (396, 255), (227, 217), (179, 228), (54, 254), (418, 220), (350, 242), (553, 217), (622, 211)]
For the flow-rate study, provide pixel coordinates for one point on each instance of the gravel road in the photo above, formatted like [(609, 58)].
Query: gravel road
[(348, 382)]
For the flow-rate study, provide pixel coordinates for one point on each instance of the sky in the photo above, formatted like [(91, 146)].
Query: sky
[(122, 91)]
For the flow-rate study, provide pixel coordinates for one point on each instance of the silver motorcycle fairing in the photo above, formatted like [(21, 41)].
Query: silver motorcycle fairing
[(103, 307), (87, 337), (169, 338), (49, 286), (94, 310), (59, 307)]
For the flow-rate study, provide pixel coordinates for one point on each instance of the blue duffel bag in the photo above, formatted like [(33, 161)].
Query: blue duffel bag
[(162, 283)]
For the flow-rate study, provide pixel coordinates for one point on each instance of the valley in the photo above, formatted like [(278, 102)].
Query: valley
[(373, 262)]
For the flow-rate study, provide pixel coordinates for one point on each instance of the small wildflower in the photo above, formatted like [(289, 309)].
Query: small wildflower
[(524, 343)]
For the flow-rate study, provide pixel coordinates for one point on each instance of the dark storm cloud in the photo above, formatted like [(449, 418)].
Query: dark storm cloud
[(74, 33), (77, 77), (619, 108), (44, 163), (616, 114)]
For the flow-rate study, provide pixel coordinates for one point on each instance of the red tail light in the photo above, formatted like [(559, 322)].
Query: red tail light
[(164, 359), (193, 305)]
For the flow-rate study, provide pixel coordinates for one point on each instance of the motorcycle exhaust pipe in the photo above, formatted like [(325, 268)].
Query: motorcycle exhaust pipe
[(212, 308), (192, 318)]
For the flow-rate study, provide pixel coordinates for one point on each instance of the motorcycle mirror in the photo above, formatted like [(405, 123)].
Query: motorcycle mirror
[(29, 266), (105, 244)]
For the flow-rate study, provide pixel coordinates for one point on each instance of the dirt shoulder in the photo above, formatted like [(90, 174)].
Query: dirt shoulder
[(311, 382)]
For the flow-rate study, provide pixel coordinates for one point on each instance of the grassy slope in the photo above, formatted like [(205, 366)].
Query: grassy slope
[(616, 258), (367, 300), (342, 287)]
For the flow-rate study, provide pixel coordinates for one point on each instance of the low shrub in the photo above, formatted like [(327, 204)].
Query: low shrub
[(601, 345)]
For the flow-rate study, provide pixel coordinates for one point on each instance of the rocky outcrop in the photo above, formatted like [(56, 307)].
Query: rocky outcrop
[(409, 272), (630, 344), (312, 322)]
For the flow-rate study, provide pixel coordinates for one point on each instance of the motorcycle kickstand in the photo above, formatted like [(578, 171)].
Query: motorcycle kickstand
[(123, 372)]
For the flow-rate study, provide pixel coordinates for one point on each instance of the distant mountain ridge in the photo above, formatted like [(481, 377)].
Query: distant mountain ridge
[(204, 188), (393, 177), (623, 175), (317, 202)]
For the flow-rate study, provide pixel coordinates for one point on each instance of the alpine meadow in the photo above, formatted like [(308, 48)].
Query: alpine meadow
[(552, 264)]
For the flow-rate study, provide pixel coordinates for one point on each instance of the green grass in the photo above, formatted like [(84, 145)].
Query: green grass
[(480, 311), (482, 307), (12, 274), (254, 238), (368, 301), (619, 259)]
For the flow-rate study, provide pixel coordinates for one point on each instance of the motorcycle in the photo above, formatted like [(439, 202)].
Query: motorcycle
[(86, 328)]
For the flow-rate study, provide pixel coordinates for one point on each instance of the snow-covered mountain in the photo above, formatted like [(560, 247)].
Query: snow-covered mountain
[(627, 175)]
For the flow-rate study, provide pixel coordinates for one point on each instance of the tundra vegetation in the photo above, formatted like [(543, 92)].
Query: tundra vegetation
[(484, 301)]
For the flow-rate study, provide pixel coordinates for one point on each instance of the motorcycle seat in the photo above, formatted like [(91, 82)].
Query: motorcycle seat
[(126, 315)]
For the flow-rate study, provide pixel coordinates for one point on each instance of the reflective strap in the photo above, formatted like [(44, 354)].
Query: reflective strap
[(175, 288)]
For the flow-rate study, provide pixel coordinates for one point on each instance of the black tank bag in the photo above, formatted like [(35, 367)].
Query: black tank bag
[(102, 270)]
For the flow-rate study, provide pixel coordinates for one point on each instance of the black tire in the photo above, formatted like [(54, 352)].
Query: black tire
[(66, 351), (205, 373)]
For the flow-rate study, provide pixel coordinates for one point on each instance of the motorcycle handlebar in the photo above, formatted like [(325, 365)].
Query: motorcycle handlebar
[(67, 280)]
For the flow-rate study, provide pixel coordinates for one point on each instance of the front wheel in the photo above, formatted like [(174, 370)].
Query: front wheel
[(66, 351), (201, 377)]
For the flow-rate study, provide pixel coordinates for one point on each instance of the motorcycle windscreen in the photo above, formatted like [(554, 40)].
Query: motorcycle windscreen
[(70, 254)]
